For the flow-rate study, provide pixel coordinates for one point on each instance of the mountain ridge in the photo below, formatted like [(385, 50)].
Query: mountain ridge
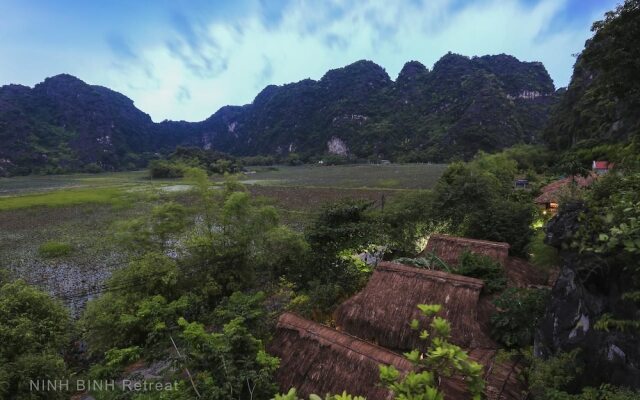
[(464, 104)]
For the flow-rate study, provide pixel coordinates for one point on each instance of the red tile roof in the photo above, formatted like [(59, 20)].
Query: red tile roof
[(602, 165), (552, 192)]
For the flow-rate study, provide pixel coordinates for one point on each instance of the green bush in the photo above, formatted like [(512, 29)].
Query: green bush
[(482, 267), (92, 168), (54, 249), (518, 313), (162, 169), (553, 378), (34, 330), (408, 218)]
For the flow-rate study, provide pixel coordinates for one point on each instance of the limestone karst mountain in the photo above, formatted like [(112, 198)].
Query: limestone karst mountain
[(461, 106)]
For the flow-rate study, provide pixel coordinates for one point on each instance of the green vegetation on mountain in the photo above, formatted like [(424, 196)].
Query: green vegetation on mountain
[(357, 112), (601, 102), (463, 105)]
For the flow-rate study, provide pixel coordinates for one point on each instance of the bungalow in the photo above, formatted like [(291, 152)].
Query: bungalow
[(381, 311), (551, 194), (317, 359), (601, 167), (520, 273)]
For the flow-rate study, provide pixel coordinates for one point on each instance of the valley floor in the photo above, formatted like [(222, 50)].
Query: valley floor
[(82, 211)]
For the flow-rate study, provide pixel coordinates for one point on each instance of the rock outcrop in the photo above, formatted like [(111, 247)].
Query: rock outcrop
[(587, 288)]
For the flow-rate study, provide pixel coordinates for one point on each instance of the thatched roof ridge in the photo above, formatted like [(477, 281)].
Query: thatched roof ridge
[(521, 273), (327, 335), (502, 377), (317, 359), (449, 248), (382, 311), (452, 279)]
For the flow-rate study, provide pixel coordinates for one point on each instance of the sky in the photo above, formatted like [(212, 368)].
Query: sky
[(183, 60)]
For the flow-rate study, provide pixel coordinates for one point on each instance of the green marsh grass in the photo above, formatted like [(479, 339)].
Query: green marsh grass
[(67, 197), (53, 249)]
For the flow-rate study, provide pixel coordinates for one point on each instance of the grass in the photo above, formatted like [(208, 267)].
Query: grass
[(397, 176), (541, 254), (53, 249), (42, 183), (61, 198), (388, 183)]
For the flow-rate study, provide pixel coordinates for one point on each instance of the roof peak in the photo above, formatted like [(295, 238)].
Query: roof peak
[(431, 274)]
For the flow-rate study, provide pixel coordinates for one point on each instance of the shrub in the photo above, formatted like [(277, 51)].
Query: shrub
[(55, 249), (554, 374), (34, 329), (482, 267), (554, 377), (518, 314), (161, 169), (409, 218), (92, 168)]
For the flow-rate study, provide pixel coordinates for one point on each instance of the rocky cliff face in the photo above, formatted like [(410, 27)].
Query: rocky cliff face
[(587, 288), (462, 106), (603, 97), (65, 123)]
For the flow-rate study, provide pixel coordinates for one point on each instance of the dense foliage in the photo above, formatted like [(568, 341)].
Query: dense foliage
[(518, 312), (553, 379), (339, 232), (482, 267), (34, 333), (600, 106), (477, 200), (610, 229), (183, 158)]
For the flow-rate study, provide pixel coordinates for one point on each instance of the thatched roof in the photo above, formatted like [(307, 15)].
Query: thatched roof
[(449, 248), (317, 359), (502, 377), (521, 273), (382, 311)]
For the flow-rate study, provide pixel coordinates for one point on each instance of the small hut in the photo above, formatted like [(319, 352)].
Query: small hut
[(551, 194), (601, 167), (317, 359), (449, 248), (382, 311)]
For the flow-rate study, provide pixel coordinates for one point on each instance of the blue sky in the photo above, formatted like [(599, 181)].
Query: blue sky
[(181, 59)]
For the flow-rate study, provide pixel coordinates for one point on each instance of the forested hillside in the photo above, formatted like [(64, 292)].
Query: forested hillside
[(463, 105), (601, 105)]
